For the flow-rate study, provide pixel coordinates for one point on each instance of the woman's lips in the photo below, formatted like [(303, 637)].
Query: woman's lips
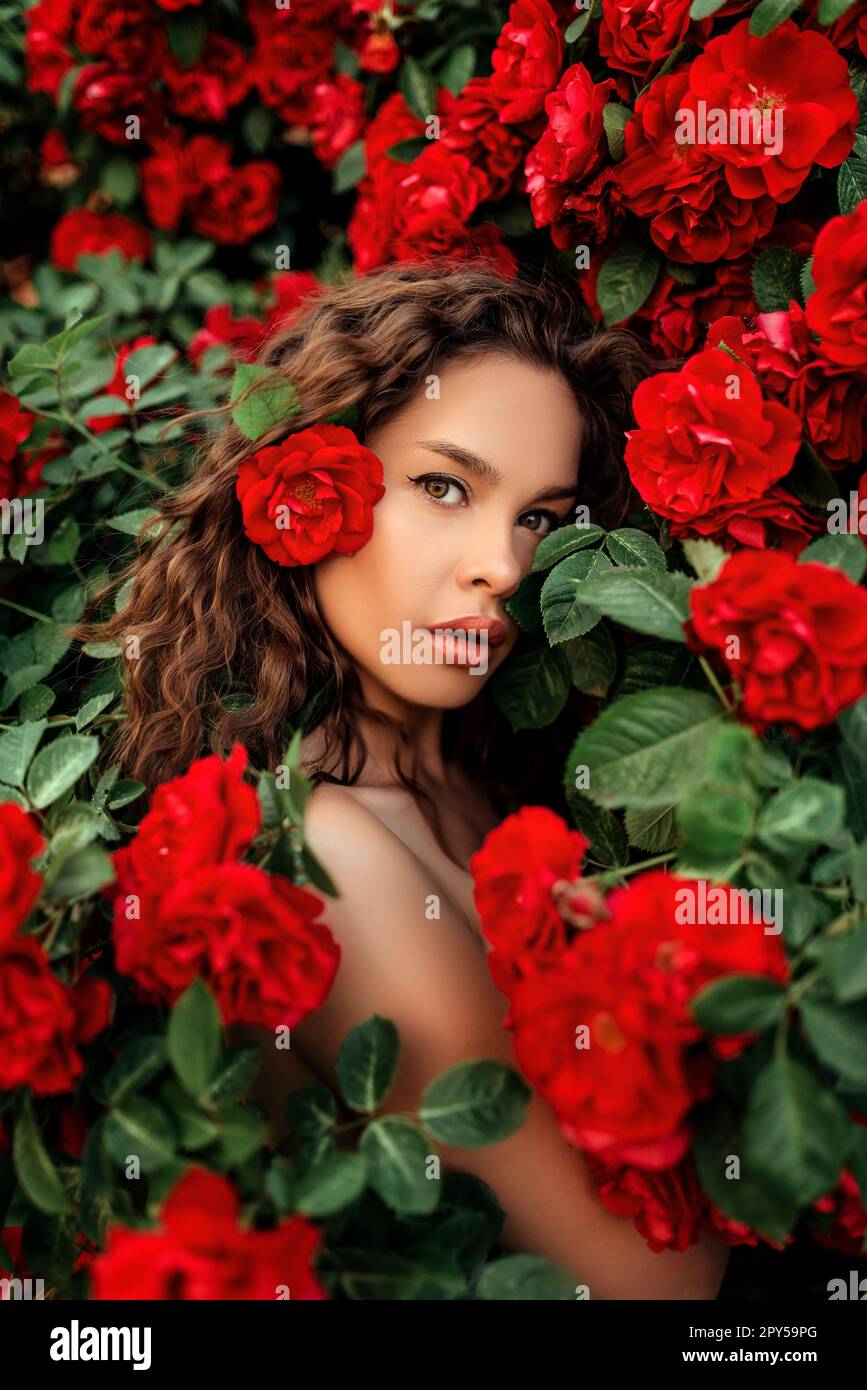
[(496, 631), (467, 641)]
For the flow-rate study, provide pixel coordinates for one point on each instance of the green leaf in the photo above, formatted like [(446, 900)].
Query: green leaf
[(563, 611), (186, 33), (768, 14), (577, 27), (119, 179), (615, 119), (715, 825), (60, 345), (138, 1064), (331, 1184), (91, 708), (851, 185), (706, 557), (832, 10), (525, 604), (35, 1171), (808, 812), (702, 9), (193, 1038), (235, 1074), (592, 661), (525, 1277), (776, 278), (640, 598), (647, 748), (531, 689), (35, 702), (653, 831), (139, 1128), (123, 792), (796, 1133), (398, 1157), (82, 873), (839, 1035), (847, 965), (608, 844), (629, 546), (738, 1004), (808, 284), (350, 168), (458, 69), (845, 552), (626, 280), (747, 1197), (32, 359), (474, 1103), (312, 1110), (17, 747), (58, 767), (562, 542), (130, 523), (264, 408), (405, 151), (417, 88), (367, 1062)]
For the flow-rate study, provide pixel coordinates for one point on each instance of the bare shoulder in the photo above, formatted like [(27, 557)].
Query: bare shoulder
[(354, 844)]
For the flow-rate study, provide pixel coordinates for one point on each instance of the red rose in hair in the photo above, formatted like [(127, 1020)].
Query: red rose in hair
[(801, 651), (796, 73), (200, 1250), (20, 842), (513, 875), (208, 816), (250, 935), (681, 188), (701, 445), (572, 146), (82, 233), (42, 1022), (837, 311), (636, 35), (311, 495), (527, 60)]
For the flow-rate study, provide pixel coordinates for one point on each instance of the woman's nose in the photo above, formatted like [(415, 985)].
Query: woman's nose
[(491, 559)]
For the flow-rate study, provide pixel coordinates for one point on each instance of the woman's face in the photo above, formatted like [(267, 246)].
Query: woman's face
[(474, 479)]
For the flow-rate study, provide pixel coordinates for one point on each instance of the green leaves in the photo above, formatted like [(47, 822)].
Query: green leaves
[(417, 88), (796, 1132), (398, 1157), (194, 1038), (738, 1004), (645, 749), (845, 552), (626, 280), (562, 542), (35, 1171), (525, 1277), (266, 405), (801, 816), (768, 14), (776, 278), (851, 184), (563, 610), (349, 169), (639, 597), (474, 1103), (531, 689), (58, 766), (615, 119), (367, 1062)]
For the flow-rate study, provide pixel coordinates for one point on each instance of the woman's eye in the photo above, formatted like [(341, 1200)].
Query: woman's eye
[(540, 523), (441, 489)]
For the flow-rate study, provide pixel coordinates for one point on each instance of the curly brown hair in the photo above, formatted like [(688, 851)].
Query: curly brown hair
[(212, 613)]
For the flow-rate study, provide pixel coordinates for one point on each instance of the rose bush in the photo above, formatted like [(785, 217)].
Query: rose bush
[(185, 177)]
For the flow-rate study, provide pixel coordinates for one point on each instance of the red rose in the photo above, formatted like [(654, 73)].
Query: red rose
[(291, 290), (243, 336), (666, 1207), (776, 518), (527, 60), (636, 35), (845, 1217), (217, 80), (379, 52), (436, 235), (82, 233), (250, 935), (311, 495), (240, 203), (208, 816), (125, 33), (592, 214), (774, 345), (702, 444), (20, 842), (801, 651), (104, 94), (285, 67), (392, 123), (441, 182), (795, 73), (513, 875), (572, 146), (46, 45), (837, 311), (338, 118), (833, 407), (472, 127), (42, 1022), (681, 188), (15, 425), (200, 1250)]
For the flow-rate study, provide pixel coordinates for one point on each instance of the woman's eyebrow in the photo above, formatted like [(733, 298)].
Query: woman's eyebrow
[(486, 471)]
